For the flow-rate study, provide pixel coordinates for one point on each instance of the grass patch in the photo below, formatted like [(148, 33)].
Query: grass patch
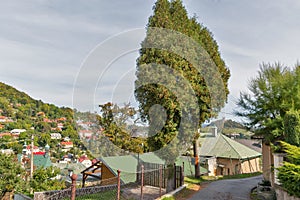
[(168, 198), (193, 185), (237, 176), (192, 180)]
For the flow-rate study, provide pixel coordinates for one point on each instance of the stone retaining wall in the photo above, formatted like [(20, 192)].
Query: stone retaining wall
[(282, 194), (60, 194)]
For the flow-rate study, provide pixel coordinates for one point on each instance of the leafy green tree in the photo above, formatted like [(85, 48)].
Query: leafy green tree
[(289, 173), (11, 175), (44, 179), (173, 16), (291, 126), (274, 92), (44, 139), (42, 127), (115, 120)]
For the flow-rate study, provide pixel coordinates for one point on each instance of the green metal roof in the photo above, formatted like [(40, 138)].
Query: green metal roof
[(222, 146), (128, 164), (189, 168), (39, 160), (42, 161)]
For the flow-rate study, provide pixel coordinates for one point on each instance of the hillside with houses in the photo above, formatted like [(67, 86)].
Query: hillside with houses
[(39, 135)]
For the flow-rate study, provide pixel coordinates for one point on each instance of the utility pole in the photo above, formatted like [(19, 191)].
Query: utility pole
[(31, 159)]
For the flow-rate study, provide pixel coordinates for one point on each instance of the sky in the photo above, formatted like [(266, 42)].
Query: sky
[(46, 44)]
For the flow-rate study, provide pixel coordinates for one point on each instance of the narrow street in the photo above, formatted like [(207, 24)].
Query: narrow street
[(234, 189)]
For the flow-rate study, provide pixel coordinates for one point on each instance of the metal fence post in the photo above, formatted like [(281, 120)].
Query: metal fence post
[(182, 174), (119, 185), (73, 187), (142, 182), (160, 179), (175, 180)]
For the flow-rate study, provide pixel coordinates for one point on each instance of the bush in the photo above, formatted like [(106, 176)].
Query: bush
[(289, 173)]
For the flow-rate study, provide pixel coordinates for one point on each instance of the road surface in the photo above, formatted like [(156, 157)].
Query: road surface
[(233, 189)]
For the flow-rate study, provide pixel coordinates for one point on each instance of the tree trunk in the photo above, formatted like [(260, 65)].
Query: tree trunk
[(170, 181), (196, 156)]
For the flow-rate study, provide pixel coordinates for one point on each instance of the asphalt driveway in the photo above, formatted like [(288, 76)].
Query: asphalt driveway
[(235, 189)]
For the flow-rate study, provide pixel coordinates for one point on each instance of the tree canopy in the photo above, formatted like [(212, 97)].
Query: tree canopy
[(289, 173), (11, 175), (272, 106), (169, 62)]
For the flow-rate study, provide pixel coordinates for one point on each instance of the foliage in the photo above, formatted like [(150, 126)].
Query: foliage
[(289, 173), (168, 198), (11, 175), (291, 125), (173, 16), (36, 117), (274, 92), (192, 180), (44, 179), (115, 119)]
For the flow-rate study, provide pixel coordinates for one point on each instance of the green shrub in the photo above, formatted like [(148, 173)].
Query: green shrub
[(289, 173)]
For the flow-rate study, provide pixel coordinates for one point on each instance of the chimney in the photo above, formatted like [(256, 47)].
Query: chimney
[(214, 131)]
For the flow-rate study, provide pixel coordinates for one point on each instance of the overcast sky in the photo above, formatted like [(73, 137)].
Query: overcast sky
[(45, 43)]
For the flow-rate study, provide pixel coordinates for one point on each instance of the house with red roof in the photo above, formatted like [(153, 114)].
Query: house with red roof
[(66, 146), (5, 119), (85, 161)]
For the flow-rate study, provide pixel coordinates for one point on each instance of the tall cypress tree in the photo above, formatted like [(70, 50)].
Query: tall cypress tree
[(173, 16)]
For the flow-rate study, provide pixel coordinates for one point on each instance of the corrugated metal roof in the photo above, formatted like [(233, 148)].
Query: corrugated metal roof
[(189, 168), (39, 160), (224, 147), (128, 164)]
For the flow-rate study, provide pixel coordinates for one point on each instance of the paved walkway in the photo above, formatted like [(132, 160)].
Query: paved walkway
[(149, 193), (232, 189)]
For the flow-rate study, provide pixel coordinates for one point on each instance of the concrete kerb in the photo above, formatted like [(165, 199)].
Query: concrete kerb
[(170, 194)]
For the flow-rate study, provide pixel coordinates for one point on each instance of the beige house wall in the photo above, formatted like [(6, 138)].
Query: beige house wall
[(229, 166), (234, 166), (250, 165)]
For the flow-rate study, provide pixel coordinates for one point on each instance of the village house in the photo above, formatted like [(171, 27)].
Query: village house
[(7, 151), (85, 134), (61, 119), (85, 161), (16, 136), (60, 125), (66, 146), (40, 158), (225, 156), (4, 119), (17, 131), (40, 114), (55, 136)]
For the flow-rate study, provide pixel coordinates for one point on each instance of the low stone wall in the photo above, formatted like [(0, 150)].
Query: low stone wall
[(60, 194), (282, 194), (94, 189), (21, 197), (54, 194)]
